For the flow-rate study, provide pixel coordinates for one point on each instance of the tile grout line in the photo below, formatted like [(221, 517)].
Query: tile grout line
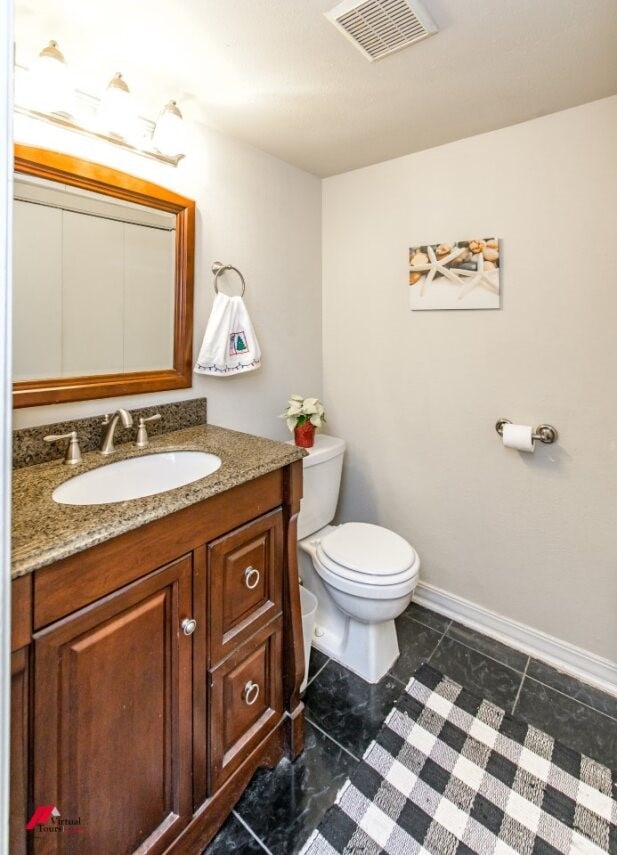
[(428, 625), (441, 638), (572, 698), (516, 671), (427, 660), (525, 674), (487, 656), (520, 688), (317, 673), (535, 679), (331, 738), (250, 831)]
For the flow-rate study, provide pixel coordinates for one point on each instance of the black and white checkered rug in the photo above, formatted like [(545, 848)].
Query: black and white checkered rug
[(449, 773)]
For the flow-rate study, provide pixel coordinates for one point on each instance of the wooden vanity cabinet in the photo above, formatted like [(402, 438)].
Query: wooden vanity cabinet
[(144, 712)]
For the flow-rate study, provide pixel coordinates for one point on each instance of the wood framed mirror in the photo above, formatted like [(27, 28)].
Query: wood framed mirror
[(103, 270)]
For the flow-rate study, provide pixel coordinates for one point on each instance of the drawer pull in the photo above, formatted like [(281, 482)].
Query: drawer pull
[(250, 693), (189, 625), (251, 577)]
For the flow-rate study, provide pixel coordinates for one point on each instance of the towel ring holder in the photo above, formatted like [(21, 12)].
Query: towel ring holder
[(218, 268)]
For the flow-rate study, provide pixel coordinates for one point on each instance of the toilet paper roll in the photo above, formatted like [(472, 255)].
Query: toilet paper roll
[(519, 437)]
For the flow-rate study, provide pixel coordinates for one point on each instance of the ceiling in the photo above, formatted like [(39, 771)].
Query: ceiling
[(278, 75)]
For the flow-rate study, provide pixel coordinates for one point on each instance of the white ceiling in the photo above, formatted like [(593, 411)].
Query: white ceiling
[(278, 75)]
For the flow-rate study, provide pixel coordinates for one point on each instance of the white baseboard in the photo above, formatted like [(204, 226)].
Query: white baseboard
[(565, 657)]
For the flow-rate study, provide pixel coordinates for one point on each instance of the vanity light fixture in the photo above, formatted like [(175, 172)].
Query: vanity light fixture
[(115, 114), (169, 137), (50, 86), (45, 92)]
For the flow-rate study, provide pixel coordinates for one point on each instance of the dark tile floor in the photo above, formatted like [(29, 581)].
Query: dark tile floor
[(281, 807)]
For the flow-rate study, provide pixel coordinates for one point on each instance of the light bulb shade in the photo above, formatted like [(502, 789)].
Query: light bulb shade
[(115, 114), (169, 137), (50, 88)]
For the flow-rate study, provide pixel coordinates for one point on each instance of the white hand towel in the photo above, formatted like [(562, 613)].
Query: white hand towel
[(230, 345)]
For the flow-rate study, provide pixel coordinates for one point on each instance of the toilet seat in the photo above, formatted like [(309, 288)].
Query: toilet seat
[(362, 585), (361, 558)]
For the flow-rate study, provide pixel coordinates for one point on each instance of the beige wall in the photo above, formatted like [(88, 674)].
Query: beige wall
[(417, 394), (255, 212), (533, 537)]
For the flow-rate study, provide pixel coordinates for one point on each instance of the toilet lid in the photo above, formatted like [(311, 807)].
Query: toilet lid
[(368, 549)]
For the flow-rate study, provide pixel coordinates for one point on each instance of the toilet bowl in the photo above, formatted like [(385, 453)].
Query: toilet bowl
[(363, 575), (358, 600)]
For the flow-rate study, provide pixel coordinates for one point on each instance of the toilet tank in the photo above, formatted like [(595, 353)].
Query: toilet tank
[(322, 479)]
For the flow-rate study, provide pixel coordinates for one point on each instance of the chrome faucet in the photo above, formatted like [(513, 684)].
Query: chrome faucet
[(111, 423)]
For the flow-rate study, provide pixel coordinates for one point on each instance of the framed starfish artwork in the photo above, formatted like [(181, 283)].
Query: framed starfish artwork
[(461, 275)]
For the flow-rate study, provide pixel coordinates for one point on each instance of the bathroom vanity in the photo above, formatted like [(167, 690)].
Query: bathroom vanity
[(156, 649)]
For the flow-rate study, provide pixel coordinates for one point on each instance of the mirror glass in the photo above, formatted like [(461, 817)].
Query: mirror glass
[(94, 283), (103, 282)]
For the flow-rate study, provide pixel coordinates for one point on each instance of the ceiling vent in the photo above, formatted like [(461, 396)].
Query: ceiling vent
[(381, 27)]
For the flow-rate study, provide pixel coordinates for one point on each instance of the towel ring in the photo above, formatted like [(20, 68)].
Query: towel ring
[(218, 268)]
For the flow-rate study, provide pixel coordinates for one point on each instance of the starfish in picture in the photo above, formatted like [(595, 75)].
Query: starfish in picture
[(479, 278), (436, 265)]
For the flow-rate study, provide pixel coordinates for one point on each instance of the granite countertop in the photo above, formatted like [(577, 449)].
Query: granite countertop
[(44, 531)]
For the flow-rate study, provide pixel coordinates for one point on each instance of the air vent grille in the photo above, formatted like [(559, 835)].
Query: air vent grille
[(380, 27)]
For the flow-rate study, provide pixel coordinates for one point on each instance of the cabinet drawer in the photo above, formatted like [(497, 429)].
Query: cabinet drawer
[(246, 582), (246, 701)]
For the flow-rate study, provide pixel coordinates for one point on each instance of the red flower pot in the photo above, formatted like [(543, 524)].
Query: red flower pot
[(304, 435)]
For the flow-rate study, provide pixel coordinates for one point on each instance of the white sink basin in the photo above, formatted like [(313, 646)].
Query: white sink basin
[(136, 477)]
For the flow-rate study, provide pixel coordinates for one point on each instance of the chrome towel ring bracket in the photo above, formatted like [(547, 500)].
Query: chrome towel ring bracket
[(218, 268)]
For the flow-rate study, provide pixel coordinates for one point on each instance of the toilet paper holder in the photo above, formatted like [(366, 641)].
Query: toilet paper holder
[(543, 433)]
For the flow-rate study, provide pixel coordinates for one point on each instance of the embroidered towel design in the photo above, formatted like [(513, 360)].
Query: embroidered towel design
[(230, 345), (237, 343)]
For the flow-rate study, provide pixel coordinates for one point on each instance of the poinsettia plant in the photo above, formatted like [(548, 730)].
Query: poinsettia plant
[(302, 410)]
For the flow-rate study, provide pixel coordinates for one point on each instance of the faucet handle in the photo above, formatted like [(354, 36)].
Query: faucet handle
[(142, 434), (73, 452)]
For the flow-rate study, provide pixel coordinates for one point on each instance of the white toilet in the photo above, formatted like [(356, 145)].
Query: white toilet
[(363, 575)]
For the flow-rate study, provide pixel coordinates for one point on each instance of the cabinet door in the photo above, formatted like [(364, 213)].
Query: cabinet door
[(246, 701), (112, 730), (19, 751)]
